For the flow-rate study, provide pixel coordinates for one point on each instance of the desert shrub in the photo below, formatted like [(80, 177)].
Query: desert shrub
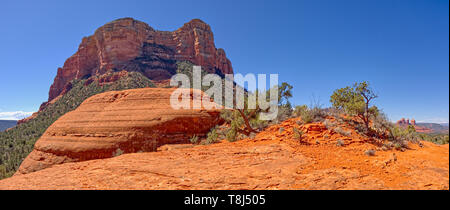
[(194, 139), (298, 134), (335, 113), (298, 110), (341, 131), (328, 124), (304, 113), (370, 152), (399, 134), (212, 136), (340, 143), (355, 100), (361, 129), (436, 138), (118, 152), (232, 133), (258, 124), (340, 120), (398, 146), (318, 114), (231, 136), (284, 106), (246, 121), (381, 124), (241, 136), (309, 115), (236, 122), (284, 113), (387, 146)]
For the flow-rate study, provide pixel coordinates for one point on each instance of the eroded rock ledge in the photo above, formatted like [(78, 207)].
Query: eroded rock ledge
[(130, 121)]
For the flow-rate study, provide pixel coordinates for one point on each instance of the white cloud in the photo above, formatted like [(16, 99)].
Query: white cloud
[(18, 115), (434, 120)]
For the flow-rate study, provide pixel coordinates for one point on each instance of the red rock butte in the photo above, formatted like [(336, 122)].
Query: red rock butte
[(131, 45), (406, 122)]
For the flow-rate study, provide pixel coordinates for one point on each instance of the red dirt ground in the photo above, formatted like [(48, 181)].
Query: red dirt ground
[(271, 160)]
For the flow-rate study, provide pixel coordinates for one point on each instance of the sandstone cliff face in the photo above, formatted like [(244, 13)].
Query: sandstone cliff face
[(129, 121), (131, 45)]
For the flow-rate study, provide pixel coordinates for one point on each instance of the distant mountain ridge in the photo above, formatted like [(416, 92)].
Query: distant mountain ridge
[(435, 127), (5, 124)]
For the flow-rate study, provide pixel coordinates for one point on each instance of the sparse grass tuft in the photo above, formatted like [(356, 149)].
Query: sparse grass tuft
[(342, 131), (118, 152), (194, 139), (340, 143), (309, 115), (328, 124)]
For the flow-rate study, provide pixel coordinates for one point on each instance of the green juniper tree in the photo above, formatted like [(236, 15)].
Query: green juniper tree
[(247, 121), (356, 100)]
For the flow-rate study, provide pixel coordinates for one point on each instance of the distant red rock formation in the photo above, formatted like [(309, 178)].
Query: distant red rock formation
[(406, 122), (131, 45)]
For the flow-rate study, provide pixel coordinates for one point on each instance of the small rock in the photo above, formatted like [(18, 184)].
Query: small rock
[(370, 152), (281, 130)]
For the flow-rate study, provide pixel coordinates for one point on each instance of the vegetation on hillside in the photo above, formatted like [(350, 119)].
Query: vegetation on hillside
[(17, 143), (246, 122), (437, 138), (351, 105), (243, 122), (355, 100)]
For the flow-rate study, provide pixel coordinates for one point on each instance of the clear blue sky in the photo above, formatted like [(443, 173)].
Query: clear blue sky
[(401, 47)]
